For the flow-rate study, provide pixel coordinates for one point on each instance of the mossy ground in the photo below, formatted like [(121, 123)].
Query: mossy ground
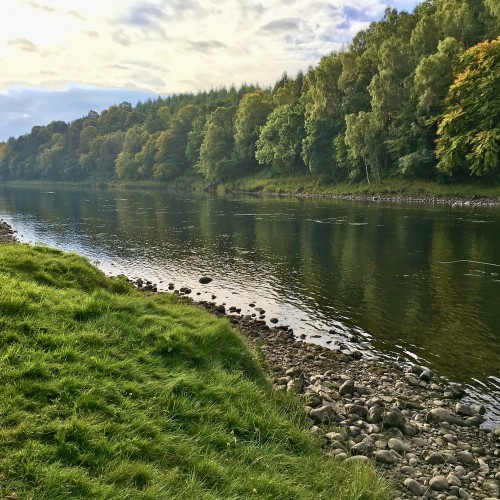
[(106, 392)]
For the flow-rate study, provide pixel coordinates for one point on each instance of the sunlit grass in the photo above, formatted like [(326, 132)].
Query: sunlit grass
[(106, 392)]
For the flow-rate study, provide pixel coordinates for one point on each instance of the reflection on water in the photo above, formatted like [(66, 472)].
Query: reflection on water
[(421, 282)]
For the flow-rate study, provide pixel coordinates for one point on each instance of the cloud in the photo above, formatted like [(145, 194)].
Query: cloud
[(76, 14), (280, 25), (23, 44), (143, 15), (204, 46), (36, 5), (122, 38)]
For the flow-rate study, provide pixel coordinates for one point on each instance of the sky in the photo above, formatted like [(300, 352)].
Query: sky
[(61, 58)]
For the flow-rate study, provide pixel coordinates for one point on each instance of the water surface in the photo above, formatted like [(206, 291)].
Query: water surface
[(414, 281)]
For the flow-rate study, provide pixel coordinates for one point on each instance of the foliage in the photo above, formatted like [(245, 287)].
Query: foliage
[(107, 392), (469, 130), (216, 151), (370, 110)]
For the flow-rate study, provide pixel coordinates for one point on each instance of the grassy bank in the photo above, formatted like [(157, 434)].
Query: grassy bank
[(389, 187), (107, 392)]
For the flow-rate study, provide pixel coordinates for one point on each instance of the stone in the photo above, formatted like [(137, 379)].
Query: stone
[(491, 487), (475, 421), (385, 457), (358, 410), (437, 415), (336, 436), (426, 375), (465, 457), (410, 430), (374, 415), (408, 470), (455, 391), (398, 446), (435, 458), (274, 320), (419, 442), (364, 448), (439, 483), (205, 280), (453, 480), (464, 410), (324, 414), (414, 486), (394, 419), (347, 387)]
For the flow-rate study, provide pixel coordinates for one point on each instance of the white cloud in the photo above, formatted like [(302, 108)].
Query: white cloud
[(226, 41)]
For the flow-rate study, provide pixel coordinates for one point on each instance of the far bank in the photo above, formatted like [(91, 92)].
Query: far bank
[(389, 190)]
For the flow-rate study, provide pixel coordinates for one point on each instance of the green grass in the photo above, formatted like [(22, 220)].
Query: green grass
[(389, 187), (107, 392)]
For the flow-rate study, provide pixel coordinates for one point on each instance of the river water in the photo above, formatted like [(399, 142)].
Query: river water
[(413, 281)]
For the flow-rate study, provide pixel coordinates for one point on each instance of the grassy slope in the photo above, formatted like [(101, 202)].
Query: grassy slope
[(389, 187), (109, 393)]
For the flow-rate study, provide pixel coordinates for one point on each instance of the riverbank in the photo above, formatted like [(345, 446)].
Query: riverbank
[(406, 420), (107, 392), (390, 190)]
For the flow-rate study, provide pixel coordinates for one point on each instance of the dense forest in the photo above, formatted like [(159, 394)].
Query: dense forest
[(414, 95)]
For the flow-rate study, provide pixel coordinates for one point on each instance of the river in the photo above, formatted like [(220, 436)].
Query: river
[(412, 281)]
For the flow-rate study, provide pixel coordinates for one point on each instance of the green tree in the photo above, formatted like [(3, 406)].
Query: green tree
[(216, 153), (251, 115), (171, 159), (323, 117), (469, 130), (363, 138), (51, 159), (280, 141)]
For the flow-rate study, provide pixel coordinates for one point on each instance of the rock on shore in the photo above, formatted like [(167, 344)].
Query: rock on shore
[(410, 423), (6, 233)]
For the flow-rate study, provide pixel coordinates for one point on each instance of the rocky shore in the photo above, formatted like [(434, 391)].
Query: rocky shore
[(6, 233), (456, 201), (408, 421)]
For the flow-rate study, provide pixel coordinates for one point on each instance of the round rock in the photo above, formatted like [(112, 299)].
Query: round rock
[(414, 486), (439, 483)]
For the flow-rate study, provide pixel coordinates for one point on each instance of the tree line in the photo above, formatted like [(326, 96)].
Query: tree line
[(414, 95)]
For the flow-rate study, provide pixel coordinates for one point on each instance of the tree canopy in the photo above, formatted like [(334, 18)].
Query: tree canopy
[(415, 94)]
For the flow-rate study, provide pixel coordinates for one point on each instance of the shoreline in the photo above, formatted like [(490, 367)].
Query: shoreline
[(459, 201), (391, 196), (408, 421)]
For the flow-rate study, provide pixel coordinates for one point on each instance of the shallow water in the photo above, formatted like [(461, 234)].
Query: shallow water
[(411, 280)]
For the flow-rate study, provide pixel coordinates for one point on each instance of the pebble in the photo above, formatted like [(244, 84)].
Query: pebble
[(439, 483)]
